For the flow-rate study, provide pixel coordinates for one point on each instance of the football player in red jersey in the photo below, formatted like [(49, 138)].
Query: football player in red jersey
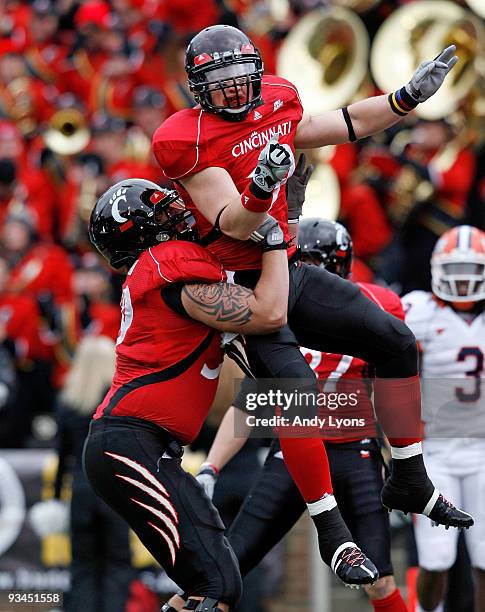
[(211, 152), (167, 368), (274, 503)]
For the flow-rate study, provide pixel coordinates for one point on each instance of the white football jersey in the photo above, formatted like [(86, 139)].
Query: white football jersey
[(452, 366)]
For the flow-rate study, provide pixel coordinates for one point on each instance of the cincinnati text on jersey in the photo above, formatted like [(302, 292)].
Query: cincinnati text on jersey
[(260, 139)]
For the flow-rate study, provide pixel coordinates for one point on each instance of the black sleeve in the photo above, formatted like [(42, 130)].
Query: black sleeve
[(172, 296)]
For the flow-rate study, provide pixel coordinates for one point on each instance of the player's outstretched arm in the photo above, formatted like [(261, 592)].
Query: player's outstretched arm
[(239, 214), (234, 308), (373, 115), (224, 448)]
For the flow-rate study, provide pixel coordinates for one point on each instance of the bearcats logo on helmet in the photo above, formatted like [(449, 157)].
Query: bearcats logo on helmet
[(116, 198)]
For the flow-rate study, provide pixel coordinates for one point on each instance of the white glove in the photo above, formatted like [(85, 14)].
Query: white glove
[(430, 75), (207, 477), (48, 517), (274, 162), (262, 231)]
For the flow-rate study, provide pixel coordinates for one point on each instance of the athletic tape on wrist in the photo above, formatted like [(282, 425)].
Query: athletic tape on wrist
[(253, 203), (401, 102)]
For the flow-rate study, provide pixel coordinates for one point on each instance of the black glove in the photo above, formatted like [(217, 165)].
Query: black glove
[(296, 187), (274, 162)]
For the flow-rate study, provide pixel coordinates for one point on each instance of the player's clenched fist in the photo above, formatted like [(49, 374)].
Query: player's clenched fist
[(274, 162)]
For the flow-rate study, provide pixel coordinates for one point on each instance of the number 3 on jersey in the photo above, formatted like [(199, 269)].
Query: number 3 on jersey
[(476, 356), (126, 315)]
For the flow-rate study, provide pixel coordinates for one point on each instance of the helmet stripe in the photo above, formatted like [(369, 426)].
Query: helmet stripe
[(477, 240), (464, 238)]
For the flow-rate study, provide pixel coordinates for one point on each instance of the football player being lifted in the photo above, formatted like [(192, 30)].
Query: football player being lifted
[(231, 156), (449, 325), (167, 368), (274, 503)]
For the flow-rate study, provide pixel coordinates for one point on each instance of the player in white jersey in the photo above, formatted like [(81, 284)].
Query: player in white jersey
[(449, 324)]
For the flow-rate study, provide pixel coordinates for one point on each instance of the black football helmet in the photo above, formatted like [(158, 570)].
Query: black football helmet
[(134, 215), (327, 244), (222, 58)]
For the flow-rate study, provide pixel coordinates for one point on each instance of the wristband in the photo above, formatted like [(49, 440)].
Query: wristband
[(253, 203), (401, 102), (282, 246), (211, 465), (348, 122)]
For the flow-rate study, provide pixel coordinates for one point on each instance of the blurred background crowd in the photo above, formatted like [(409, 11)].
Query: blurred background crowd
[(83, 86)]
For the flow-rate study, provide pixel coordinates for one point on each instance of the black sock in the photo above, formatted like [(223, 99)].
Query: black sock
[(332, 532), (410, 471)]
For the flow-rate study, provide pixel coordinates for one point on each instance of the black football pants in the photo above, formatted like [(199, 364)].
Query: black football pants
[(330, 314), (135, 467)]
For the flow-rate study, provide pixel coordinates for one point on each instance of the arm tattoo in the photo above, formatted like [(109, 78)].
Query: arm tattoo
[(227, 303)]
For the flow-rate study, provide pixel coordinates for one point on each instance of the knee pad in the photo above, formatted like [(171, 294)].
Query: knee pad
[(208, 604)]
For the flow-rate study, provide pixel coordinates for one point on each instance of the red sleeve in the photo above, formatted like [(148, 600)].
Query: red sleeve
[(361, 211), (178, 262), (456, 181), (385, 298), (178, 144), (393, 304)]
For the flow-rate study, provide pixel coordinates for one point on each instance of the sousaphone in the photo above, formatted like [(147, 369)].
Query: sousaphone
[(325, 55), (419, 31)]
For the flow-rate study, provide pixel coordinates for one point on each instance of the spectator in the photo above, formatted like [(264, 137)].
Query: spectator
[(24, 353), (43, 272)]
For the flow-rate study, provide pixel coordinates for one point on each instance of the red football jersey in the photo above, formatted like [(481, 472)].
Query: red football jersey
[(191, 140), (343, 373), (167, 365)]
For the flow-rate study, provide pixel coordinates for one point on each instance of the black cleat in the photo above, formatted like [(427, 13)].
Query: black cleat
[(352, 567), (424, 500), (443, 512)]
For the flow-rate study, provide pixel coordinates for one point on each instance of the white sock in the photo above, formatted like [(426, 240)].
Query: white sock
[(327, 502), (439, 608), (404, 452)]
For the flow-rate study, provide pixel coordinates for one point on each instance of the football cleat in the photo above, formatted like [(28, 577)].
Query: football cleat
[(425, 500), (352, 567), (443, 512)]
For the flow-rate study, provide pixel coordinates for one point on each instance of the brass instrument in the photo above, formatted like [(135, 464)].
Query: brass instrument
[(419, 31), (67, 133), (359, 6), (325, 56), (263, 16), (322, 197), (477, 6)]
